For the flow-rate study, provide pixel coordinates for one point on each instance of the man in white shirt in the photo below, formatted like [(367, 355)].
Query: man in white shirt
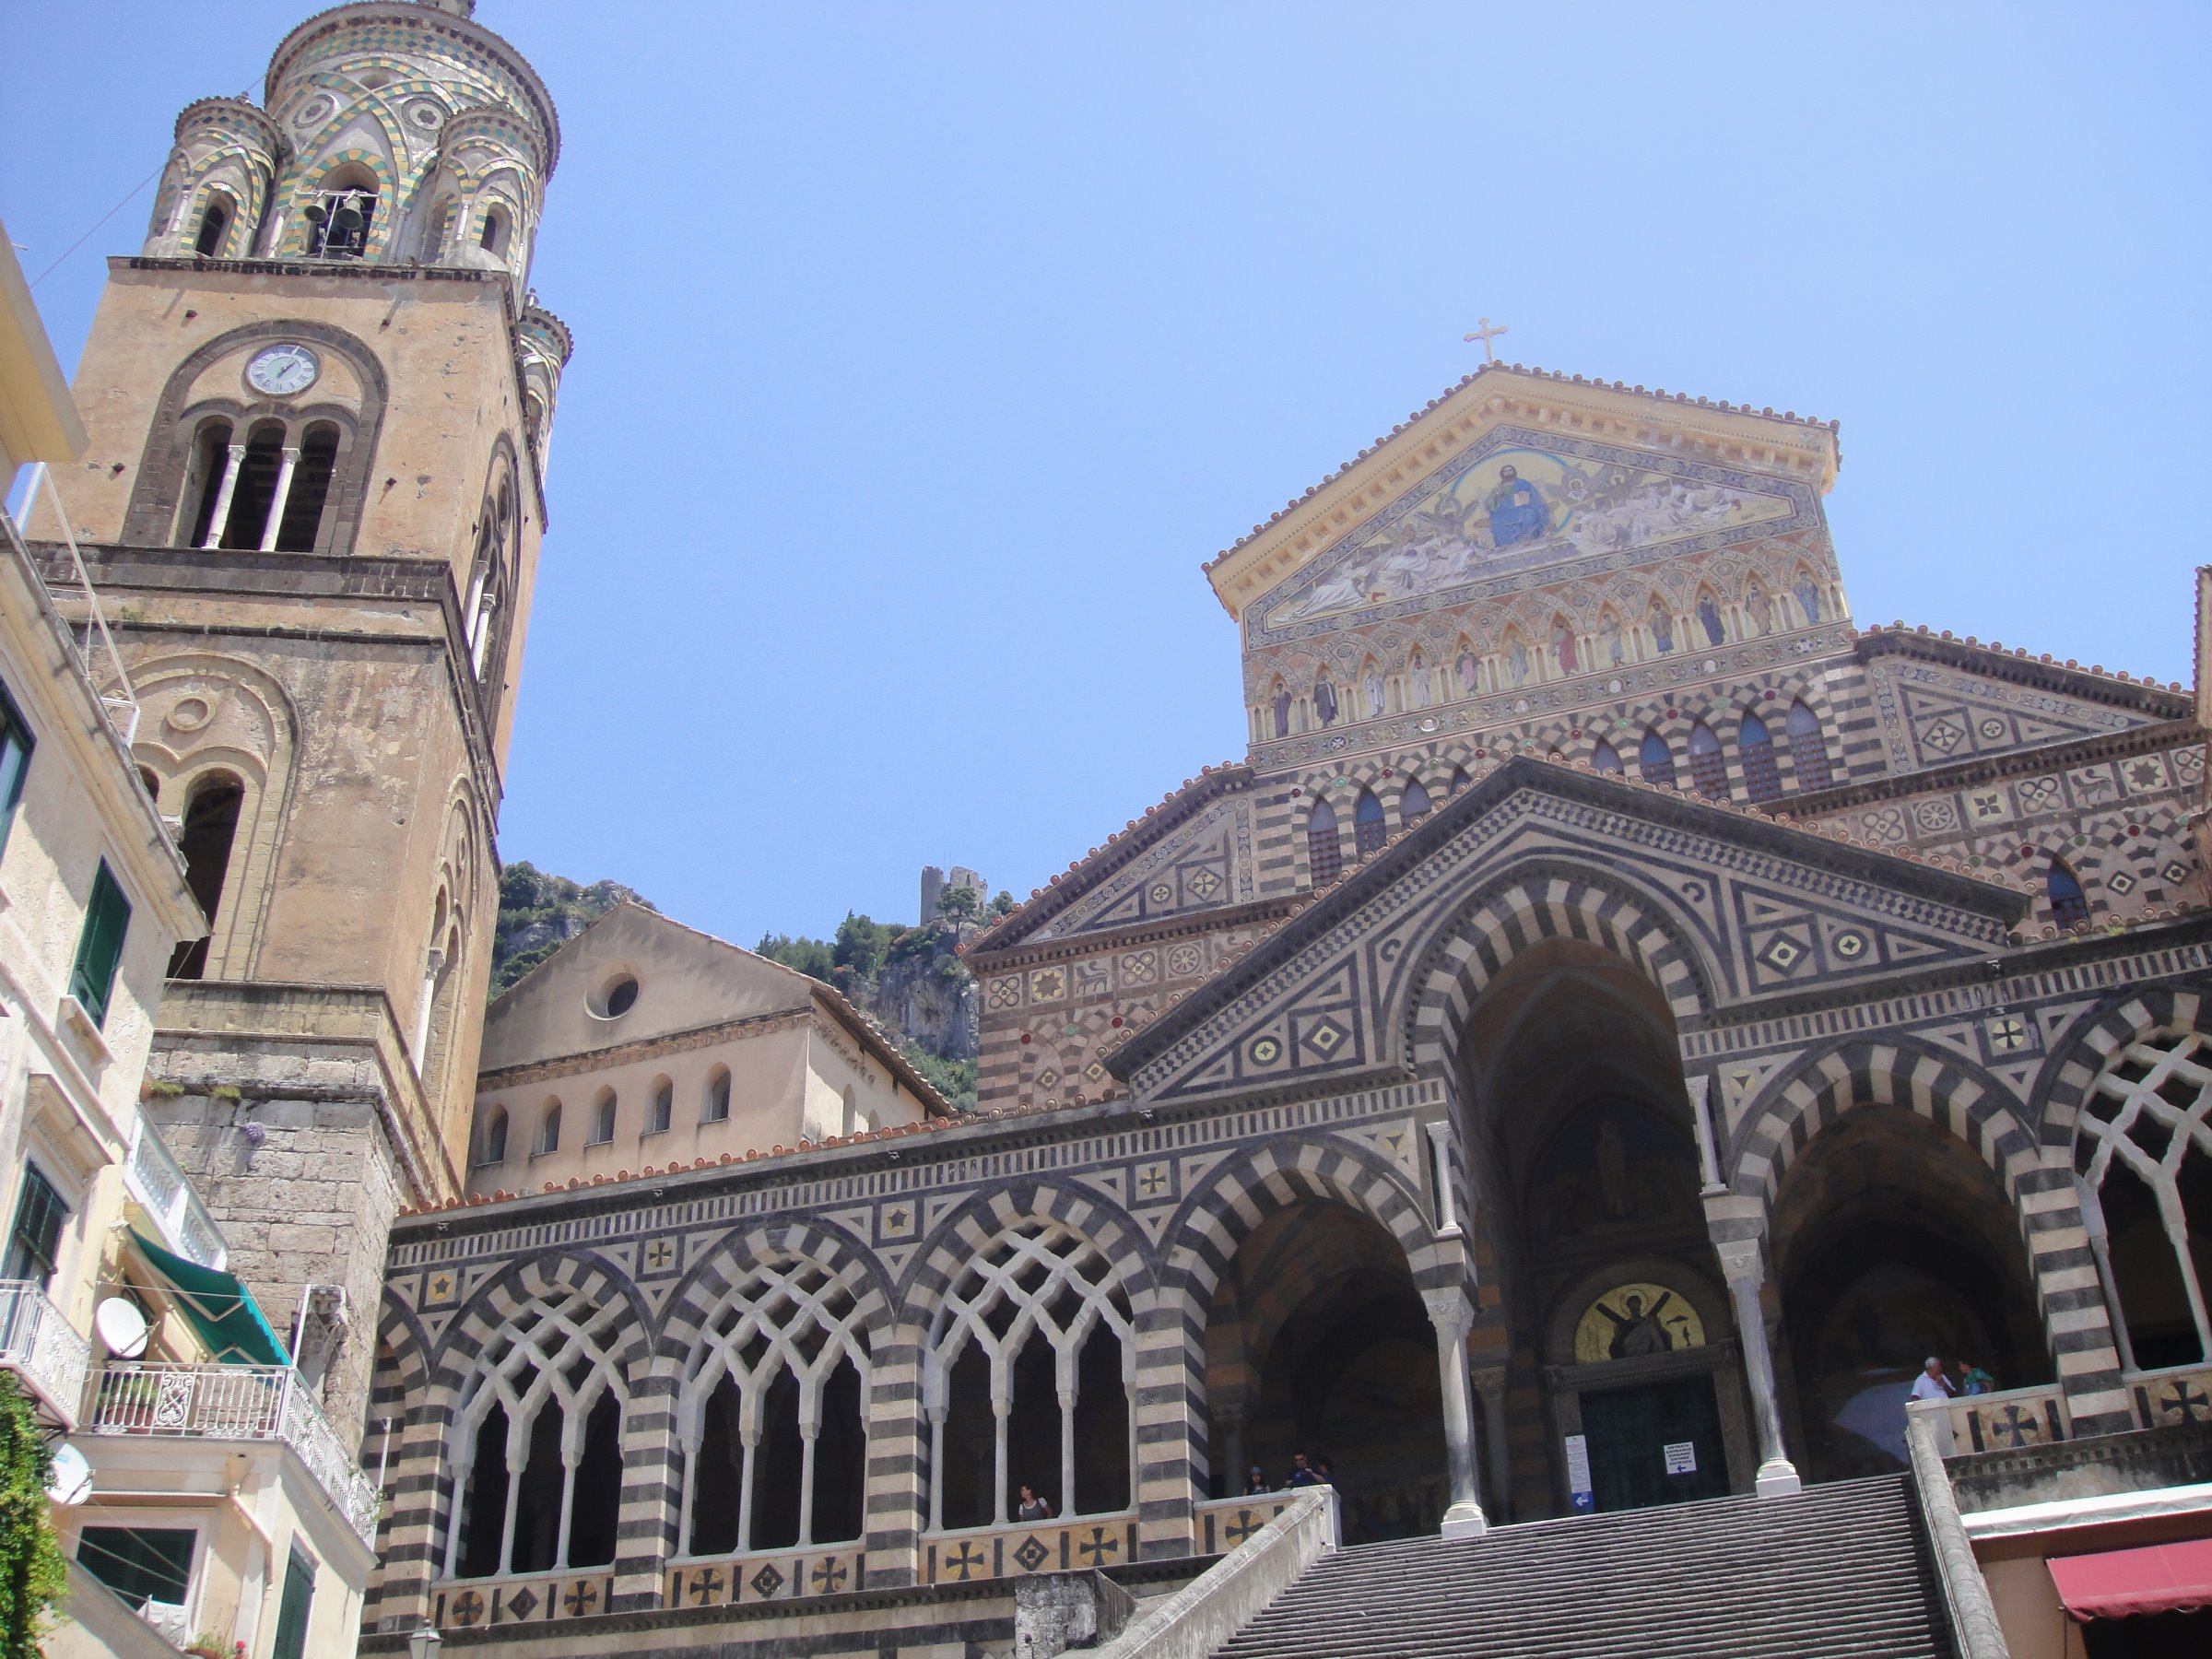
[(1932, 1384)]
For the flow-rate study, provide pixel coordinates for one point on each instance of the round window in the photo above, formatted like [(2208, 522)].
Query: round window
[(617, 997)]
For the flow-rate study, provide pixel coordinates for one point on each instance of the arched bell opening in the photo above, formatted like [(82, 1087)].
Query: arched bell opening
[(1893, 1242), (1317, 1341)]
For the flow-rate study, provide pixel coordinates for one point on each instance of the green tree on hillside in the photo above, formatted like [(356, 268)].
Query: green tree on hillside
[(813, 958), (960, 906)]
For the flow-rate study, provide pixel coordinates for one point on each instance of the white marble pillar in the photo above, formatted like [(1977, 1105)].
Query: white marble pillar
[(1744, 1263), (1001, 1410), (750, 1437), (284, 489), (1449, 1311), (1064, 1500), (1447, 1214), (226, 486)]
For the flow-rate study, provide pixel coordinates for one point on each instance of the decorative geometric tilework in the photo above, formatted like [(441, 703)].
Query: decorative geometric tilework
[(1199, 865), (2144, 773), (1988, 806), (1936, 815)]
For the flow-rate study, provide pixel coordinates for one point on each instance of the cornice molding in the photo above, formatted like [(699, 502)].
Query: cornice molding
[(1989, 769)]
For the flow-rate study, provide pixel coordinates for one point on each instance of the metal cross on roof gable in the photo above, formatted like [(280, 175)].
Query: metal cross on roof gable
[(1486, 334)]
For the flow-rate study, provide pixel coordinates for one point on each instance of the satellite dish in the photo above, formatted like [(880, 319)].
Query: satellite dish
[(72, 1482), (120, 1326)]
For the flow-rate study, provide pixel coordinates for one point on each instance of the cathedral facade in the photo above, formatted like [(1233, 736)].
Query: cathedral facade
[(1619, 1015)]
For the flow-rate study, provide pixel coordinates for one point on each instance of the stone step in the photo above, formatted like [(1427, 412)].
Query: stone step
[(1837, 1571)]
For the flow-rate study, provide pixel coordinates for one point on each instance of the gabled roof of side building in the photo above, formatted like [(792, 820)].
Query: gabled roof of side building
[(687, 980)]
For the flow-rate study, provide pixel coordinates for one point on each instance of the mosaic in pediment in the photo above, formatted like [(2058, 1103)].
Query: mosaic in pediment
[(1205, 865), (1518, 500)]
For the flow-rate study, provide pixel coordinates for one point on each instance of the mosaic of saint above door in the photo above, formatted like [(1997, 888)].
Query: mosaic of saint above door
[(1634, 1322), (1508, 504)]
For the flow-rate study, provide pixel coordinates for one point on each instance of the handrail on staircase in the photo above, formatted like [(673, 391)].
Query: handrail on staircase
[(1198, 1620), (1975, 1633)]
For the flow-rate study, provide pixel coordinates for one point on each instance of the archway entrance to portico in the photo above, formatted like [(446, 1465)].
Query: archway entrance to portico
[(1893, 1240), (1318, 1342), (1622, 1383)]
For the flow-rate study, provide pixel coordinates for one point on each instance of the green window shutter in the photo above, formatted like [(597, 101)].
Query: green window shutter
[(291, 1612), (100, 949), (16, 744), (40, 1213)]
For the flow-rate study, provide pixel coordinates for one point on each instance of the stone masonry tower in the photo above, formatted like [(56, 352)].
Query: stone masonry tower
[(319, 402)]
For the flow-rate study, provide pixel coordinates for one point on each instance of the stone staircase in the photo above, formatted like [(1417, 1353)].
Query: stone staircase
[(1837, 1570)]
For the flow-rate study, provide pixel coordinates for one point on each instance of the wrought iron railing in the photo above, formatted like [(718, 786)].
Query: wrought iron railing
[(235, 1402), (42, 1349)]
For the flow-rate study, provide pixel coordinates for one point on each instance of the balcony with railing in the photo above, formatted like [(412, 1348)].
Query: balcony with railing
[(43, 1349), (152, 1177), (235, 1402)]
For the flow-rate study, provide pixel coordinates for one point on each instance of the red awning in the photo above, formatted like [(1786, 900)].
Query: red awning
[(2119, 1584)]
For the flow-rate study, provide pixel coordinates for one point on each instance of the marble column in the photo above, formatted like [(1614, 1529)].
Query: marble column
[(276, 501), (226, 486), (1453, 1317), (1744, 1263)]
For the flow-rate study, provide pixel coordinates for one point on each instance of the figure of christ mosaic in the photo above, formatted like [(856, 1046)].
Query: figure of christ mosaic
[(1526, 503)]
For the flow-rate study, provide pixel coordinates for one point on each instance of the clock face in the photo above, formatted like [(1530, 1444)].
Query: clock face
[(283, 370)]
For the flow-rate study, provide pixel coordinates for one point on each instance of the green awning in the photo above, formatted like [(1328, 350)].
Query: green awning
[(220, 1308)]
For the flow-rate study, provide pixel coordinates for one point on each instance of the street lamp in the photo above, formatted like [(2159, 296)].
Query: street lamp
[(424, 1643)]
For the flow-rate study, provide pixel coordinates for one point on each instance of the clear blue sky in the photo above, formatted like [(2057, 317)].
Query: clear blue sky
[(924, 351)]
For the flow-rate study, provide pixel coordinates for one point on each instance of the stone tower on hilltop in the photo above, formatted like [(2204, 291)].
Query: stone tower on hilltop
[(319, 402)]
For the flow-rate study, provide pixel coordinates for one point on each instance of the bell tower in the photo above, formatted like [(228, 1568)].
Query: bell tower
[(319, 400)]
